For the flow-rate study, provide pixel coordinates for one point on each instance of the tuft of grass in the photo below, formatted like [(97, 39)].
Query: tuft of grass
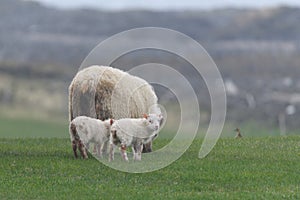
[(249, 168)]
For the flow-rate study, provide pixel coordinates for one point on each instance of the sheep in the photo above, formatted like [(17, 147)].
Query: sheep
[(85, 130), (104, 92), (133, 132)]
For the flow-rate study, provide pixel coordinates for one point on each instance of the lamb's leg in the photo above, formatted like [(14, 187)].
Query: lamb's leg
[(134, 152), (82, 150), (137, 151), (95, 148), (73, 134), (140, 150), (123, 152), (74, 147), (87, 146), (104, 148), (99, 151), (111, 152)]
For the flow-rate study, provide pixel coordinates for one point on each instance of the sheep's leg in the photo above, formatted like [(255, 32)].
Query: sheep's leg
[(111, 152), (82, 150), (74, 147), (123, 152), (147, 147)]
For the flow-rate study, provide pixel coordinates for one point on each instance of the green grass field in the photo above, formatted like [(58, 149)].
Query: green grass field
[(28, 126), (250, 168)]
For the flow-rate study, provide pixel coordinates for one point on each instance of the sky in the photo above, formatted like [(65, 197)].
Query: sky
[(167, 4)]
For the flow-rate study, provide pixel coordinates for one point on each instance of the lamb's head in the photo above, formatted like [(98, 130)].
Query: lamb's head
[(108, 123), (152, 121), (156, 109)]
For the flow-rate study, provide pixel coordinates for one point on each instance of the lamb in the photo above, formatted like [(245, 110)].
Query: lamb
[(85, 130), (133, 132), (103, 92)]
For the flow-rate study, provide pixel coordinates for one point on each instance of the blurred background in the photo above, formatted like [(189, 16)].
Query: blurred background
[(256, 46)]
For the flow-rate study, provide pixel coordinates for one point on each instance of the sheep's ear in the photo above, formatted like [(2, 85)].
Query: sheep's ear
[(145, 116), (111, 121)]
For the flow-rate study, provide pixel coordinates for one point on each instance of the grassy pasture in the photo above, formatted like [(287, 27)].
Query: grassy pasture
[(37, 163), (27, 126), (14, 127), (250, 168)]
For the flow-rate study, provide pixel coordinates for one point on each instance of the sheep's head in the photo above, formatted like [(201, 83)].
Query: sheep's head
[(152, 121), (108, 123)]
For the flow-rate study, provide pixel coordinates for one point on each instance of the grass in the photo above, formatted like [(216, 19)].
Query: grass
[(25, 126), (250, 168), (29, 127)]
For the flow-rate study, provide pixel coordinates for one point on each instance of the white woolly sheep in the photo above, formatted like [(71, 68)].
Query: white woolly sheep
[(85, 130), (104, 92), (133, 132)]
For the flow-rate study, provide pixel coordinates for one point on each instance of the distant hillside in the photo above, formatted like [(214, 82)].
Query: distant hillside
[(274, 23), (32, 32)]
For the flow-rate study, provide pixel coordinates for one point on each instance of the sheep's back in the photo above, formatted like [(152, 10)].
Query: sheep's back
[(105, 92)]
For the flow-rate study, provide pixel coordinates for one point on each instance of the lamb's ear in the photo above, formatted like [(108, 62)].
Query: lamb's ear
[(161, 119), (145, 116), (111, 121), (160, 116)]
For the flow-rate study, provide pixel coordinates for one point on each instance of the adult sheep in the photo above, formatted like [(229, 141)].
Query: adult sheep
[(104, 92)]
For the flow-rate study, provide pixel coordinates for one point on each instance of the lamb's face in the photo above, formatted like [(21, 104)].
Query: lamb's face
[(152, 121)]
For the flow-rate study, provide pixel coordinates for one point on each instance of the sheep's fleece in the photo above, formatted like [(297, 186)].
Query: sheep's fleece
[(104, 92)]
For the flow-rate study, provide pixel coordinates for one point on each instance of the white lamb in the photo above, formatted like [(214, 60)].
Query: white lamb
[(85, 130), (133, 132)]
